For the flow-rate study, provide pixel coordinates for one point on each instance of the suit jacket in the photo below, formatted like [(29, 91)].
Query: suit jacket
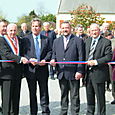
[(73, 52), (10, 70), (51, 35), (103, 54), (29, 52), (22, 34), (113, 43), (113, 66)]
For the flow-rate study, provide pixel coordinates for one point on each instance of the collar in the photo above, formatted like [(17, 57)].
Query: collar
[(34, 36), (68, 37), (96, 39), (1, 35)]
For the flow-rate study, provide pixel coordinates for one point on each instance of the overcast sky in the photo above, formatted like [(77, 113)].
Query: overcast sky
[(12, 9)]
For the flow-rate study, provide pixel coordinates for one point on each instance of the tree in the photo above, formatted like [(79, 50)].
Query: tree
[(26, 19), (85, 15), (48, 18), (32, 14), (2, 16)]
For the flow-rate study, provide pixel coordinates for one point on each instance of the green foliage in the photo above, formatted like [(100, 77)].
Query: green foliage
[(85, 15), (48, 18), (27, 19), (2, 16), (32, 14)]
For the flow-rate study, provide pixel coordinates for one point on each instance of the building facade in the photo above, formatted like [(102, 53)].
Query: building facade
[(105, 8)]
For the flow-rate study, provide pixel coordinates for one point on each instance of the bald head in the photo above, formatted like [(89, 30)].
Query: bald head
[(46, 26), (24, 26), (105, 27)]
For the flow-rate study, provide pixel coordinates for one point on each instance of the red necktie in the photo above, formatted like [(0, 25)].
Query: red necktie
[(46, 34)]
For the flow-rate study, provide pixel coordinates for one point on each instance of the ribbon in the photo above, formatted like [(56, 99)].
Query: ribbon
[(61, 62), (6, 61)]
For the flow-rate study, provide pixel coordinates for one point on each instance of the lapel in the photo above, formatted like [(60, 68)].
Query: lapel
[(32, 45), (89, 44), (70, 42), (98, 44), (42, 43), (62, 43)]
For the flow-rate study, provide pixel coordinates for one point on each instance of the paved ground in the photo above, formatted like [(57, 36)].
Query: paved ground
[(54, 93)]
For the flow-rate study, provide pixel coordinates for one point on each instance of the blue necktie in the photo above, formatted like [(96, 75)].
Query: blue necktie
[(37, 49)]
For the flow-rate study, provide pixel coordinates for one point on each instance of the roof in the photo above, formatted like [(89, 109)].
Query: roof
[(100, 6)]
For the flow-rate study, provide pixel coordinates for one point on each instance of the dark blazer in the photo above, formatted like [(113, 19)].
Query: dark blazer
[(22, 34), (103, 54), (113, 66), (9, 70), (29, 52), (51, 35), (74, 52)]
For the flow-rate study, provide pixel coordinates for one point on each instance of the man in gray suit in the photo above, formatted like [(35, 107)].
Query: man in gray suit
[(98, 53), (69, 48)]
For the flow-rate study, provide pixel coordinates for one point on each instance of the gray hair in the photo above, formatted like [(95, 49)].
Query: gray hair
[(10, 25), (79, 26), (94, 25), (46, 23)]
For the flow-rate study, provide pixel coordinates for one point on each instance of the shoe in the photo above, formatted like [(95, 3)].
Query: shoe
[(0, 109), (108, 89), (113, 102), (52, 77)]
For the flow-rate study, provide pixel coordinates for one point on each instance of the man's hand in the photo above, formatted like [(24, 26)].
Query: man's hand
[(33, 61), (92, 62), (24, 60), (42, 63), (52, 63), (78, 75)]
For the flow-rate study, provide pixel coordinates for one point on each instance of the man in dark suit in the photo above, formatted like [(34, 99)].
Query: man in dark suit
[(10, 72), (3, 28), (79, 30), (98, 53), (37, 47), (52, 36), (69, 48), (24, 31)]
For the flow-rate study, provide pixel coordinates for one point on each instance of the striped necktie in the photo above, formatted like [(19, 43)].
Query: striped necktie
[(92, 49)]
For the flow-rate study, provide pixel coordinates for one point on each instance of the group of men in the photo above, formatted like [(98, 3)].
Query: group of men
[(35, 49)]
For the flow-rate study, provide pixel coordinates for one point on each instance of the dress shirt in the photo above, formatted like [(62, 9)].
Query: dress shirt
[(96, 41), (39, 40), (66, 40)]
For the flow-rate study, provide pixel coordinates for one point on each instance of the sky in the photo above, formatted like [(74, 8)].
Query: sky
[(12, 9)]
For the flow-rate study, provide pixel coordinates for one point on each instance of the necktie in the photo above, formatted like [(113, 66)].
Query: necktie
[(92, 49), (46, 34), (37, 49)]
